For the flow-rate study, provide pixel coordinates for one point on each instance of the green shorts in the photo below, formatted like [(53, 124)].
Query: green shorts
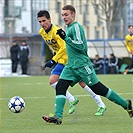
[(85, 73)]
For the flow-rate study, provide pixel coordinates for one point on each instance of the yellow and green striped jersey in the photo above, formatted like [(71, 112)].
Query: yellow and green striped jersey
[(129, 43), (56, 44)]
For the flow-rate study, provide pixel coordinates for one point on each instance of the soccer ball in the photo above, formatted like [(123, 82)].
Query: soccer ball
[(16, 104)]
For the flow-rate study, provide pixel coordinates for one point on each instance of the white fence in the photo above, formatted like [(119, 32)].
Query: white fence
[(107, 47)]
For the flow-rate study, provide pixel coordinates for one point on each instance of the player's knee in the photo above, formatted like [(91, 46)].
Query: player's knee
[(62, 86), (51, 82), (53, 79), (99, 89), (82, 84)]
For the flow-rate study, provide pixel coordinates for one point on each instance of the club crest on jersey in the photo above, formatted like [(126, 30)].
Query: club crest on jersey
[(131, 42), (51, 42)]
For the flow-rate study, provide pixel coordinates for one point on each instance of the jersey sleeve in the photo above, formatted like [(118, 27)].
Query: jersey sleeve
[(76, 41)]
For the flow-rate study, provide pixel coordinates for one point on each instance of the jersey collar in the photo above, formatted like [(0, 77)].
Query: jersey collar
[(48, 29)]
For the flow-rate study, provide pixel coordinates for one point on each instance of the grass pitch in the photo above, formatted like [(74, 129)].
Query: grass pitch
[(39, 98)]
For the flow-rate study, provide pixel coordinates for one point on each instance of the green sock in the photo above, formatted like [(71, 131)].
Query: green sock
[(114, 97), (59, 105)]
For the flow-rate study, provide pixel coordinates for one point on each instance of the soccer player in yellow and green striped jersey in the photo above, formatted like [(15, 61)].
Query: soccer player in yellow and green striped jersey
[(129, 41), (57, 44), (48, 33)]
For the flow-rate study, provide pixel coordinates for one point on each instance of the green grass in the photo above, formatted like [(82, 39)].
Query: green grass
[(39, 98)]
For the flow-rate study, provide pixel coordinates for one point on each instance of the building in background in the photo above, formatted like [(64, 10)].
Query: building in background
[(127, 16), (19, 16), (130, 12), (1, 17)]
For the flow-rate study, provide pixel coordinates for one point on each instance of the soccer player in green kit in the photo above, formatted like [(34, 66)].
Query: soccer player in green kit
[(79, 67), (48, 32)]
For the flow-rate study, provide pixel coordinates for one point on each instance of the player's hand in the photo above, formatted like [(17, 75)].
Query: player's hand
[(61, 33), (50, 63)]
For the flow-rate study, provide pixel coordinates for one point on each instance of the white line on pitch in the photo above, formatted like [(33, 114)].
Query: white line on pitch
[(1, 99), (26, 84)]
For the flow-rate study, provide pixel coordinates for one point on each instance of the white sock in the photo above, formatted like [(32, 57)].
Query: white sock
[(97, 98), (54, 85), (69, 96)]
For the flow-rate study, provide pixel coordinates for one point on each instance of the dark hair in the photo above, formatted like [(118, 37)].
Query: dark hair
[(129, 26), (69, 7), (42, 13), (112, 55)]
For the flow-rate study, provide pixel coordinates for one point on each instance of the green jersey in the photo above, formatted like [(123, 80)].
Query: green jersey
[(76, 46), (79, 66)]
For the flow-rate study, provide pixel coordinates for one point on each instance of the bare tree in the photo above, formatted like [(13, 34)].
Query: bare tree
[(110, 11)]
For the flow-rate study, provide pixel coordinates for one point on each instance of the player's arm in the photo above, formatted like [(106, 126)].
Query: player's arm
[(77, 41)]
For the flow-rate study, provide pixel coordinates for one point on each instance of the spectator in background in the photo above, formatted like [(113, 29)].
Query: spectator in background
[(24, 53), (14, 56), (113, 64), (98, 64), (105, 64)]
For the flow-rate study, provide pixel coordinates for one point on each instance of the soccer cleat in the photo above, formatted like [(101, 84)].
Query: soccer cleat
[(100, 111), (129, 108), (72, 105), (52, 119)]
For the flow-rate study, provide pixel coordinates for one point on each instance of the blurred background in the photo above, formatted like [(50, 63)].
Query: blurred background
[(105, 23)]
